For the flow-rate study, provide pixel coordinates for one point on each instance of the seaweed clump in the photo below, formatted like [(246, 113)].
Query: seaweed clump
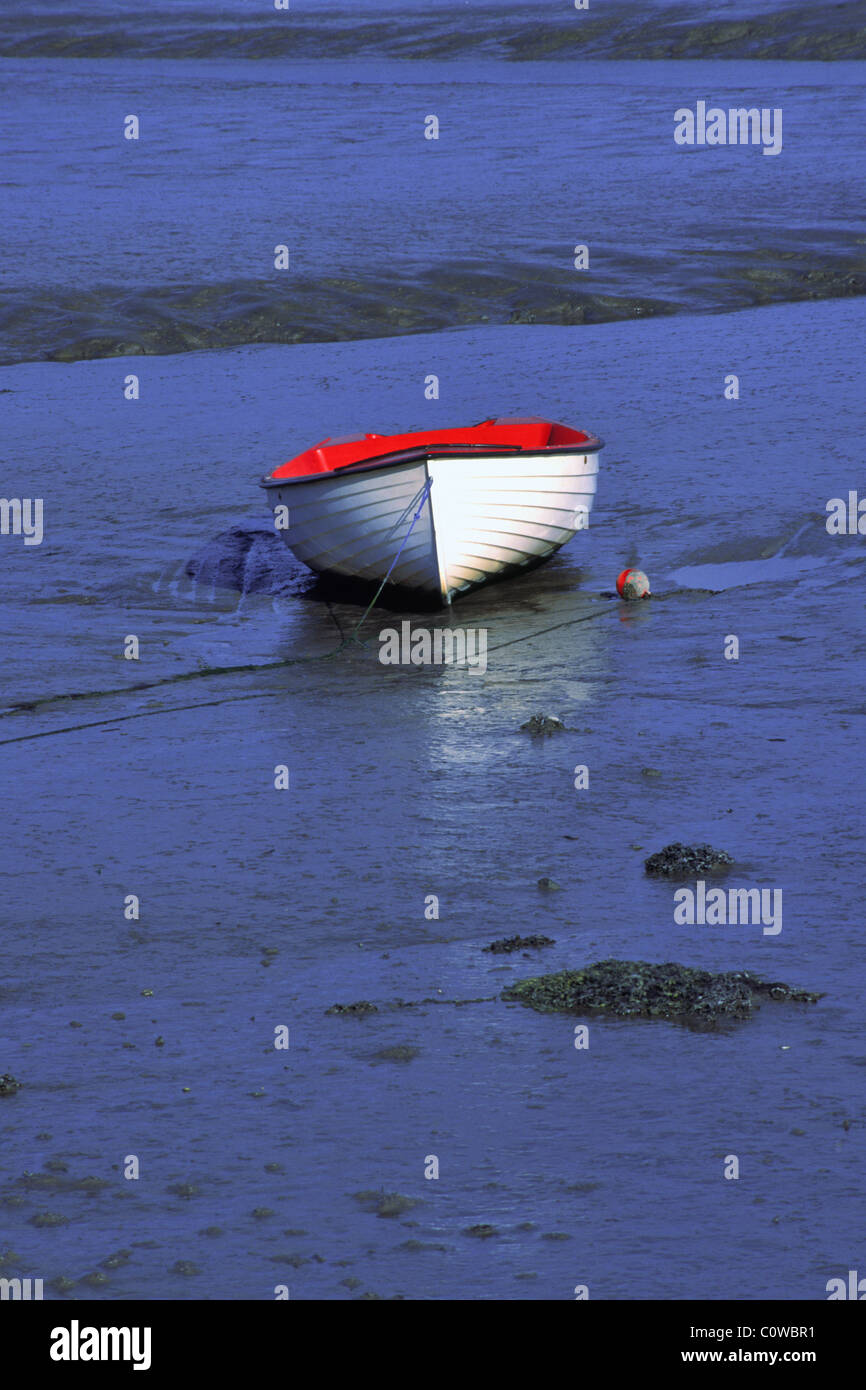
[(638, 989), (8, 1084), (518, 943), (541, 724), (686, 861), (359, 1009), (385, 1203)]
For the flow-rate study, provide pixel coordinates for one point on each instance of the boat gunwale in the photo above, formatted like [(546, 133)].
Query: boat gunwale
[(590, 445)]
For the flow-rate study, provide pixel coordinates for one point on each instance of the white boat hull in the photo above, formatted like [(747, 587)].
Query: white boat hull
[(485, 517)]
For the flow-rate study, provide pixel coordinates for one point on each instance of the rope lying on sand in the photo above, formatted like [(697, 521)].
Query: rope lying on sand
[(224, 671), (210, 671), (248, 667)]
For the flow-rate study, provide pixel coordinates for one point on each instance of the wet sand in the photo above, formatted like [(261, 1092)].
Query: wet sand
[(262, 908)]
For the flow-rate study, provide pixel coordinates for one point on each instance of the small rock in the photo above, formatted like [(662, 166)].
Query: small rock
[(548, 885), (686, 861)]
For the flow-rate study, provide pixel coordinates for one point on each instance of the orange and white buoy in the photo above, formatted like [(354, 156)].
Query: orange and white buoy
[(632, 584)]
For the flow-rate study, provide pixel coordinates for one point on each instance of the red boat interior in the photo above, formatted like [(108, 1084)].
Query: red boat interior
[(358, 450)]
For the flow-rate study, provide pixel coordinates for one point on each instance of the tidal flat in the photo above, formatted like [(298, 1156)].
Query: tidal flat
[(261, 909)]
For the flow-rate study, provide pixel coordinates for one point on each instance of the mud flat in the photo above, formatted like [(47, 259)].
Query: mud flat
[(414, 782)]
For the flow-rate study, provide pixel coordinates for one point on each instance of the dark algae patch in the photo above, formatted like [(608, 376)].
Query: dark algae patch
[(506, 944), (359, 1009), (686, 861), (109, 320), (542, 724), (177, 31), (64, 325), (638, 989), (385, 1203), (54, 1182), (401, 1052)]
